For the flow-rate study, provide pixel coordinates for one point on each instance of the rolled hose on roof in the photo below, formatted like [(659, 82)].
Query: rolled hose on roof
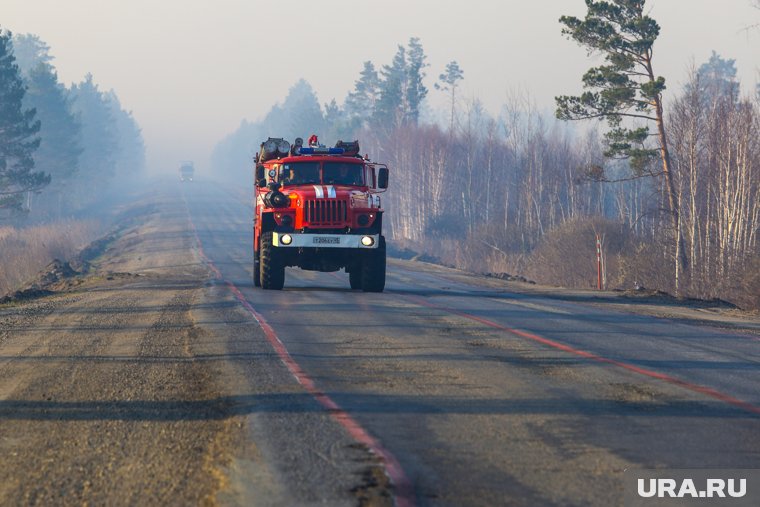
[(273, 147), (350, 148)]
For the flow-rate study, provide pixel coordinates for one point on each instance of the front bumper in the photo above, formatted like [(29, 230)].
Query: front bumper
[(301, 240)]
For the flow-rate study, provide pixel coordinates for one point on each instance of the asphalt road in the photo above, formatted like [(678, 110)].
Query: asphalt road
[(476, 414), (174, 381)]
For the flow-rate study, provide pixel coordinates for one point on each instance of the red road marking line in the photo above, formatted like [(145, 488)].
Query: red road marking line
[(590, 355), (404, 491)]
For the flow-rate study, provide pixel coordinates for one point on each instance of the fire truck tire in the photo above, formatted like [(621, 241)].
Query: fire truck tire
[(256, 270), (271, 269), (355, 277), (373, 269)]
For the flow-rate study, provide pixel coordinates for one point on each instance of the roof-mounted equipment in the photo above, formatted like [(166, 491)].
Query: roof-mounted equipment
[(274, 147), (350, 148)]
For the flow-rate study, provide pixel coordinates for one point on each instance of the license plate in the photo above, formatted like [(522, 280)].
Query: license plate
[(329, 240)]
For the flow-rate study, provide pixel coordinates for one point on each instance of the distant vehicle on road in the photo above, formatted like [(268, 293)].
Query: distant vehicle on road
[(318, 208), (186, 171)]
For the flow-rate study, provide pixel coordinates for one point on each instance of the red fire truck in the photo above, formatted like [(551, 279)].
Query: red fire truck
[(318, 208)]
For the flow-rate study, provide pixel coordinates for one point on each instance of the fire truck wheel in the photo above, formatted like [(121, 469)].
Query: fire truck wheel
[(355, 277), (256, 270), (271, 269), (373, 269)]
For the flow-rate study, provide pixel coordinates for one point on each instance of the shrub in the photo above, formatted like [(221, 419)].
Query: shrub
[(567, 255)]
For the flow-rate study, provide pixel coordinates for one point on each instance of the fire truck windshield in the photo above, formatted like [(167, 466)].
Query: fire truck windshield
[(333, 173), (302, 173), (340, 173)]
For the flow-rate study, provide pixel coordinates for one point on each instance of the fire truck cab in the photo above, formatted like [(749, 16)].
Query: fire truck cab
[(319, 209)]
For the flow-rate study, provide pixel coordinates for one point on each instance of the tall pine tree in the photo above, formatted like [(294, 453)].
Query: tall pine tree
[(717, 78), (415, 89), (625, 88), (361, 102), (18, 130), (401, 89), (60, 142), (448, 82), (30, 51), (391, 107), (130, 159), (97, 164)]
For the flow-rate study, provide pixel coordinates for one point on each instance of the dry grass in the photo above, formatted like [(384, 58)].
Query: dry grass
[(566, 256), (25, 252)]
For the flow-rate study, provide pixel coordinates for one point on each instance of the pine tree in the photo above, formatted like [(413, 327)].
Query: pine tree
[(391, 107), (361, 102), (337, 124), (626, 87), (415, 89), (58, 154), (448, 82), (717, 78), (130, 159), (97, 164), (30, 51), (18, 141), (302, 111)]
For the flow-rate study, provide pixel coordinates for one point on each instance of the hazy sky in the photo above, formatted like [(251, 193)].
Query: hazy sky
[(191, 70)]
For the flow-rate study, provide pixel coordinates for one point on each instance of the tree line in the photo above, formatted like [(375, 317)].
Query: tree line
[(672, 187), (61, 147), (383, 99)]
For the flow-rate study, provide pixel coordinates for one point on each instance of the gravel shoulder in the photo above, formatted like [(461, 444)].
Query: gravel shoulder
[(102, 400)]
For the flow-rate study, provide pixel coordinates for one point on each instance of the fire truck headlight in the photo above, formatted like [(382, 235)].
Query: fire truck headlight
[(368, 240), (286, 220), (286, 239), (362, 220)]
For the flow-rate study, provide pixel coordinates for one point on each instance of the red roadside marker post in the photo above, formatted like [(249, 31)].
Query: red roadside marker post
[(598, 262)]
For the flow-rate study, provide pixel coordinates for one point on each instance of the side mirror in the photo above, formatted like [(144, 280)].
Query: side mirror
[(260, 177), (382, 178)]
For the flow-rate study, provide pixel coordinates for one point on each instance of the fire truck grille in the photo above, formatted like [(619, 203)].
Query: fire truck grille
[(325, 212)]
